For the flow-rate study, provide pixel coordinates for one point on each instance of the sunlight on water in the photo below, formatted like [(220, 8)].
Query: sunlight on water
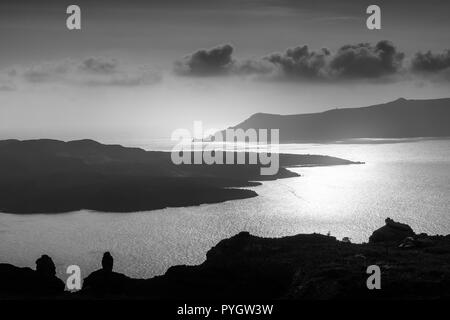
[(407, 181)]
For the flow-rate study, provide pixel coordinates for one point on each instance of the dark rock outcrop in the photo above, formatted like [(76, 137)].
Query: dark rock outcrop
[(305, 267), (302, 267), (107, 262), (45, 266), (105, 281), (26, 283), (392, 232)]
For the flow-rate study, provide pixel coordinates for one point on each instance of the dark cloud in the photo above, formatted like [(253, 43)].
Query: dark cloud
[(207, 62), (122, 79), (301, 62), (47, 72), (366, 61), (7, 87), (431, 62), (350, 61), (91, 72), (12, 72), (7, 80), (99, 65), (249, 67)]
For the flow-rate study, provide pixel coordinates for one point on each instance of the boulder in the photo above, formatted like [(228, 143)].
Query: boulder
[(392, 232), (105, 281), (26, 282), (45, 266), (107, 262)]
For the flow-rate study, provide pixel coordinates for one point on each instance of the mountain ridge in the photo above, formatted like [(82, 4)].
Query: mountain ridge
[(401, 118)]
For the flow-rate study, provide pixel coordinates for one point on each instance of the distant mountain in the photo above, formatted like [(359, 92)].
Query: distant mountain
[(397, 119)]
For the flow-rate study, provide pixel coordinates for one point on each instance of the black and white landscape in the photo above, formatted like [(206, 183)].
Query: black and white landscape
[(357, 120)]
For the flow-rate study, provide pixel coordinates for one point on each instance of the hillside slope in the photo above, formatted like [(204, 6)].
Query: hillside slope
[(397, 119)]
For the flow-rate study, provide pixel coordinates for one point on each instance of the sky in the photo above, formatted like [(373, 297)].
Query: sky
[(138, 70)]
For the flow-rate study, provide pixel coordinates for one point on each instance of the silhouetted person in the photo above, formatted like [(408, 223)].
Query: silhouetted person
[(45, 266), (107, 262)]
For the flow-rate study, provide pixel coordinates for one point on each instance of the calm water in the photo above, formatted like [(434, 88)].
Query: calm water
[(407, 181)]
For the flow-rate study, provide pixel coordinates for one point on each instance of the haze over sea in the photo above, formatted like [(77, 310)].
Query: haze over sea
[(407, 180)]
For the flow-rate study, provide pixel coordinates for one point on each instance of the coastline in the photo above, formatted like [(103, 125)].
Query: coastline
[(316, 202), (50, 176)]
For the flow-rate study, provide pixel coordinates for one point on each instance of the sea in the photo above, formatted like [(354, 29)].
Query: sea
[(407, 180)]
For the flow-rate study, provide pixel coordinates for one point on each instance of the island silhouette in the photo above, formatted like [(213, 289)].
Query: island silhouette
[(401, 118), (50, 176)]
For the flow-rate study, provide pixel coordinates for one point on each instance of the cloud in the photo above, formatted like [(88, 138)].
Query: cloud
[(213, 61), (431, 62), (11, 72), (6, 80), (255, 66), (94, 71), (301, 62), (352, 61), (47, 72), (366, 61), (99, 65), (7, 87)]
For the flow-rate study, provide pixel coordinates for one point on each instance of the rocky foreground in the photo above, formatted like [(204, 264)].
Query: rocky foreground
[(305, 266)]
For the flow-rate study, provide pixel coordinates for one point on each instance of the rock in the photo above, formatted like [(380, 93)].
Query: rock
[(305, 266), (45, 266), (346, 240), (107, 262), (105, 281), (26, 282), (392, 232), (408, 243)]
